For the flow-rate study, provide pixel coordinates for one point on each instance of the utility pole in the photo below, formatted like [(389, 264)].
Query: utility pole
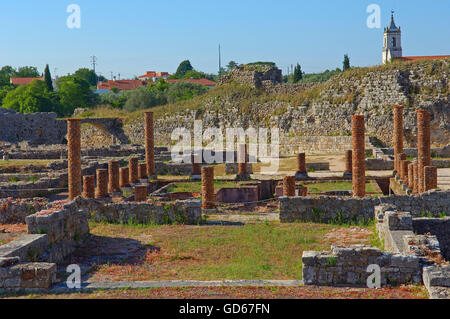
[(93, 62), (220, 61)]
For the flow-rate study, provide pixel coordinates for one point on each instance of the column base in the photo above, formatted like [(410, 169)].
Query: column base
[(196, 177), (243, 177), (347, 175), (301, 176)]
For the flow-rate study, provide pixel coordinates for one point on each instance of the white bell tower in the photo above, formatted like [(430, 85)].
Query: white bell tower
[(392, 42)]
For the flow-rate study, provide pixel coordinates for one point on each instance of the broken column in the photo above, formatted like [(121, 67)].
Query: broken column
[(150, 145), (398, 136), (416, 178), (301, 167), (74, 157), (140, 193), (242, 163), (208, 196), (101, 191), (89, 186), (196, 172), (289, 186), (124, 177), (404, 169), (142, 171), (113, 177), (430, 177), (348, 164), (401, 158), (423, 145), (133, 166), (358, 156)]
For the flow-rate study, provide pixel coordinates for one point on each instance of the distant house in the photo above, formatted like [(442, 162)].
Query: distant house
[(23, 81), (121, 85), (204, 82), (154, 76)]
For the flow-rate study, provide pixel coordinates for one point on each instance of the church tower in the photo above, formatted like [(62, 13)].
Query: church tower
[(392, 43)]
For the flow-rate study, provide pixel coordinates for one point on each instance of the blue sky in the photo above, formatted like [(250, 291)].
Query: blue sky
[(130, 37)]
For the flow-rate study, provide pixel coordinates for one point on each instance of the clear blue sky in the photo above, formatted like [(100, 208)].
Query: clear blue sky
[(130, 37)]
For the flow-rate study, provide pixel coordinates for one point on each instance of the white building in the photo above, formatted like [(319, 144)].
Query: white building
[(392, 44)]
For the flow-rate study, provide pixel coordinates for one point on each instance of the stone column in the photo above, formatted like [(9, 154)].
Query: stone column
[(89, 186), (124, 177), (196, 169), (133, 165), (101, 191), (301, 167), (430, 177), (401, 158), (208, 196), (411, 176), (149, 145), (113, 177), (358, 156), (242, 163), (142, 171), (398, 136), (348, 164), (74, 157), (289, 186), (423, 145), (140, 193)]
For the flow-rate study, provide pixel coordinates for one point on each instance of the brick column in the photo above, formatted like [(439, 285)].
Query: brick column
[(89, 186), (416, 178), (404, 169), (430, 177), (398, 136), (124, 177), (113, 177), (301, 167), (140, 193), (348, 163), (74, 157), (411, 176), (149, 145), (401, 158), (289, 186), (142, 171), (423, 145), (242, 162), (133, 165), (101, 191), (208, 196), (358, 156)]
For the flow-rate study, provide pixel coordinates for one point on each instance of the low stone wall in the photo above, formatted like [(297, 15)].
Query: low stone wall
[(412, 152), (16, 276), (291, 146), (14, 211), (185, 212), (378, 164), (439, 227), (343, 209), (437, 281), (348, 266), (232, 168)]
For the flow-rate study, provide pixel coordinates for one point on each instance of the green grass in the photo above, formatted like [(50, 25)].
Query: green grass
[(196, 187), (338, 186)]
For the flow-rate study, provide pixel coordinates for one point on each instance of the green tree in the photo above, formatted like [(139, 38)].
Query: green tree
[(6, 73), (31, 98), (298, 74), (27, 72), (74, 92), (184, 67), (48, 79), (231, 65), (87, 75), (346, 63)]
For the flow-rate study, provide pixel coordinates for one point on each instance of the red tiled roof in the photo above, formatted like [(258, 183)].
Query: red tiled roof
[(151, 74), (121, 84), (204, 82), (23, 81), (416, 58)]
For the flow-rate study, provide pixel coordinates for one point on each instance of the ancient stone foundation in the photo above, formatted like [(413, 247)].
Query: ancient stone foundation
[(430, 177), (208, 196), (358, 156), (140, 193), (89, 186), (74, 157)]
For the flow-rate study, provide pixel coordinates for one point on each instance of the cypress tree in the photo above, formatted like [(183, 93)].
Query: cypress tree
[(48, 79)]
